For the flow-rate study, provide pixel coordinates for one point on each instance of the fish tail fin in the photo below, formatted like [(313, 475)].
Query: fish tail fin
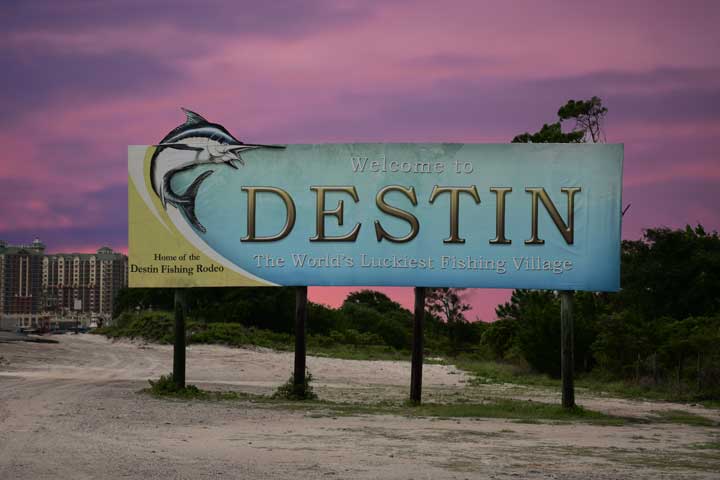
[(187, 200)]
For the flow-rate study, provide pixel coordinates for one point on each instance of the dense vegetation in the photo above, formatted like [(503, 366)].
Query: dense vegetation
[(367, 325), (661, 331), (660, 334), (666, 317)]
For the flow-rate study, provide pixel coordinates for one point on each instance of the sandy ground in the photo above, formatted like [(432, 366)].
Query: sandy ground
[(72, 410)]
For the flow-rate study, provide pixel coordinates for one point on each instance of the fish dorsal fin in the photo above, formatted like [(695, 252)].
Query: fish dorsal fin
[(192, 117)]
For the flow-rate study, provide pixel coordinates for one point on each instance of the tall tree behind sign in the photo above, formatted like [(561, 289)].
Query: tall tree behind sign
[(588, 116), (448, 305)]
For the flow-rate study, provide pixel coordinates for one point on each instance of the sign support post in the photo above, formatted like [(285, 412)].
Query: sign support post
[(300, 344), (417, 346), (567, 348), (179, 347)]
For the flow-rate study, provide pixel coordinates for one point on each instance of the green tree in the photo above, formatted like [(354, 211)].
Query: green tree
[(449, 306), (378, 301), (621, 339), (447, 303), (665, 319), (322, 319), (374, 312), (536, 314), (530, 321), (500, 336), (673, 273), (588, 116)]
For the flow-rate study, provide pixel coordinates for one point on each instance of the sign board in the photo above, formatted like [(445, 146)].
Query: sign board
[(211, 211), (77, 304)]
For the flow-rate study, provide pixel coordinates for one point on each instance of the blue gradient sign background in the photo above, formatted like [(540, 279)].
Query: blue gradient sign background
[(593, 258)]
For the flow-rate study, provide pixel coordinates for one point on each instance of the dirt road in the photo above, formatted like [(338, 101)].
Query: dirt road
[(72, 410)]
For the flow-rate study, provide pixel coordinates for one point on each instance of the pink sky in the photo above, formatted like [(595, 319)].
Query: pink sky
[(82, 81)]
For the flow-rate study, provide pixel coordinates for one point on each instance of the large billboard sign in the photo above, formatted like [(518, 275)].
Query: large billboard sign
[(208, 210)]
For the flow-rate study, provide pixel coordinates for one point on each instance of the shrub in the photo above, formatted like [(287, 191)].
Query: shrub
[(290, 391), (166, 386)]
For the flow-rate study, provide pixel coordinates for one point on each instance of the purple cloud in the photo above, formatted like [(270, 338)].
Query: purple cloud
[(82, 80), (47, 80)]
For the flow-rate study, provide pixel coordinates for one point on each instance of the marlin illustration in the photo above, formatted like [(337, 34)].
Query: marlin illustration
[(195, 142)]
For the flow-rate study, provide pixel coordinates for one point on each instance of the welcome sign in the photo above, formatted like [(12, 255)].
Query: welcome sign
[(208, 210)]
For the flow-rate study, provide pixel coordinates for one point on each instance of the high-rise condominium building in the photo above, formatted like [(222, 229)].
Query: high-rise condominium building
[(38, 290), (20, 284)]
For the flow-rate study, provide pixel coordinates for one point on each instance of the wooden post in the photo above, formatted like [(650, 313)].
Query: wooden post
[(417, 347), (567, 348), (300, 346), (179, 348)]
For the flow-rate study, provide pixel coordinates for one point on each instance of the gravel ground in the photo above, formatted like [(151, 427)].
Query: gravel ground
[(72, 410)]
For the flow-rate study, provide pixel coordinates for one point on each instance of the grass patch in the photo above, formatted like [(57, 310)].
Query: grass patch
[(518, 410), (290, 391), (631, 390), (601, 384), (710, 404), (165, 387), (357, 352), (684, 418), (705, 446), (490, 372)]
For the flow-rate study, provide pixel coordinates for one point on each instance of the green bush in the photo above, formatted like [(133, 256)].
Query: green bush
[(152, 326), (166, 386), (500, 336), (290, 391), (264, 317)]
